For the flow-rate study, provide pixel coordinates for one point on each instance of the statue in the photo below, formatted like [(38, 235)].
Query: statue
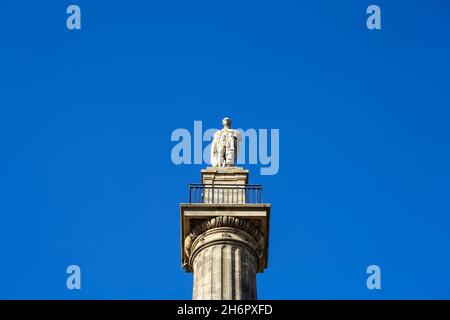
[(225, 146)]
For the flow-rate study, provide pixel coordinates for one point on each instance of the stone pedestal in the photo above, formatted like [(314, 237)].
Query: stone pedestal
[(224, 244), (224, 176), (225, 185)]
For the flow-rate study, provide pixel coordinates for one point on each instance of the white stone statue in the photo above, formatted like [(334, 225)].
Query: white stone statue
[(225, 146)]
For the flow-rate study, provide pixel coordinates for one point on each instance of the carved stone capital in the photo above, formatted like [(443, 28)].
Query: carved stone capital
[(225, 221)]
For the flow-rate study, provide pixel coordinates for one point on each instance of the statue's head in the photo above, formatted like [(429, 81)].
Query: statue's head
[(226, 122)]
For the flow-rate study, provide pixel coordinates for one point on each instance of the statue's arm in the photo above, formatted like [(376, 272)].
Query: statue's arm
[(238, 136), (214, 160), (237, 142)]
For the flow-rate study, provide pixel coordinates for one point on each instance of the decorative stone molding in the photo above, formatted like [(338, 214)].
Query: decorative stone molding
[(225, 221)]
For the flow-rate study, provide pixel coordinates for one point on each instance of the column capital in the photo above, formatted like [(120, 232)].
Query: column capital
[(230, 229), (253, 219)]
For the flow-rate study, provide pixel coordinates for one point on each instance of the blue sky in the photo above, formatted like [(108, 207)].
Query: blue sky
[(86, 117)]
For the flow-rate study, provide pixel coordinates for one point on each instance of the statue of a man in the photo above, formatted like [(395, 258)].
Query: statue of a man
[(225, 146)]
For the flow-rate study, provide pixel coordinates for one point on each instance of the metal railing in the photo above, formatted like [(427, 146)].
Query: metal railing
[(225, 194)]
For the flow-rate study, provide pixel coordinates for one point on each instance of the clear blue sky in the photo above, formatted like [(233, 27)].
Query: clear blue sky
[(86, 116)]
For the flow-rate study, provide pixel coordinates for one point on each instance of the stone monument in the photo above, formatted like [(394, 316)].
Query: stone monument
[(225, 145), (225, 226)]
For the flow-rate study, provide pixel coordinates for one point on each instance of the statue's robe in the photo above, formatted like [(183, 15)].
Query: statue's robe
[(225, 147)]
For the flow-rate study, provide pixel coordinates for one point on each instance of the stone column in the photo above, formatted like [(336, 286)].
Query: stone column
[(224, 242), (224, 254), (224, 262)]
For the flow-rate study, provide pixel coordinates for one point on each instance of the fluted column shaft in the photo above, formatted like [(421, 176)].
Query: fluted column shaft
[(224, 261)]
